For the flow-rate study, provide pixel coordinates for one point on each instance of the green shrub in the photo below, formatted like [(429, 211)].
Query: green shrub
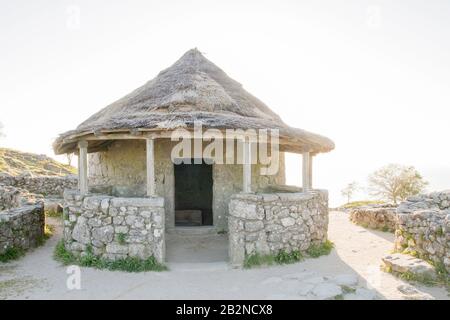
[(121, 238), (11, 253), (316, 251), (128, 264), (284, 257), (256, 259)]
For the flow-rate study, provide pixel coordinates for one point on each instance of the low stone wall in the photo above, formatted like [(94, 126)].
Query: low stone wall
[(114, 228), (11, 197), (381, 217), (22, 219), (424, 227), (45, 185), (268, 223)]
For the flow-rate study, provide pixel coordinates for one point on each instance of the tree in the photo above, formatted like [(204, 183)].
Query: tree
[(396, 182), (349, 190)]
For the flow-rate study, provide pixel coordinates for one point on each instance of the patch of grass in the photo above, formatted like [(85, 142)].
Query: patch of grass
[(284, 257), (339, 297), (442, 273), (11, 253), (439, 232), (347, 289), (316, 251), (129, 264), (121, 238), (385, 229), (63, 255), (423, 279), (54, 214), (256, 259)]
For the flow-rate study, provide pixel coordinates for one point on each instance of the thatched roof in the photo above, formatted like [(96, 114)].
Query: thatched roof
[(192, 89)]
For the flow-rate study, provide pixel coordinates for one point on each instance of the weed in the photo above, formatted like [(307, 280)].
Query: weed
[(128, 264), (316, 251)]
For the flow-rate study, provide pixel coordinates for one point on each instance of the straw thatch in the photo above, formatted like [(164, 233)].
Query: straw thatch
[(192, 89)]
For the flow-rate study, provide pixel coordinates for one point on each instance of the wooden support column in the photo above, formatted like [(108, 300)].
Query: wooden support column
[(306, 171), (247, 167), (82, 167), (151, 190)]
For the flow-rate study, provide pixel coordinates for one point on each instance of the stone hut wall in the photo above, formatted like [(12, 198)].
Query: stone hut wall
[(268, 223), (110, 172), (424, 227), (45, 185), (22, 219), (114, 227), (375, 217)]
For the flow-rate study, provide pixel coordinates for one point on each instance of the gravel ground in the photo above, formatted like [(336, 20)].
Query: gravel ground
[(351, 271)]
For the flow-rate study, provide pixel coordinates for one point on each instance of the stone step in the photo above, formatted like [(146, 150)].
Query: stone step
[(194, 230), (402, 263)]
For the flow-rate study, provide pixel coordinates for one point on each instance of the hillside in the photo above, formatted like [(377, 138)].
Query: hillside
[(15, 162)]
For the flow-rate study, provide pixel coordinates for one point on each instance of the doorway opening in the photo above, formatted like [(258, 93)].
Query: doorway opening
[(193, 194)]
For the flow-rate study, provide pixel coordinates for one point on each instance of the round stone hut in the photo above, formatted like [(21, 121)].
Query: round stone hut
[(186, 151)]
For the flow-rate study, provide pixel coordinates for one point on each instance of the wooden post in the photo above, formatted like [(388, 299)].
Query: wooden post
[(247, 167), (151, 190), (306, 171), (82, 167)]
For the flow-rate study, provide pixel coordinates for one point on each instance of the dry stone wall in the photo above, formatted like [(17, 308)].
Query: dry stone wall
[(381, 217), (424, 227), (268, 223), (45, 185), (113, 227), (22, 219), (110, 173)]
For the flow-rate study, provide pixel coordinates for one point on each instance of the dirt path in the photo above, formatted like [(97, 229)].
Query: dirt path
[(351, 271)]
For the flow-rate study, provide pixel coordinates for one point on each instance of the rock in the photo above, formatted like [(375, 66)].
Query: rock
[(271, 280), (361, 294), (103, 234), (299, 275), (137, 202), (287, 222), (315, 280), (116, 248), (349, 280), (402, 263), (252, 226), (138, 250), (326, 290), (305, 289), (407, 289), (81, 232), (104, 205)]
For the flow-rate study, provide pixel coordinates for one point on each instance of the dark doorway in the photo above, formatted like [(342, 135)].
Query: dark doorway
[(193, 194)]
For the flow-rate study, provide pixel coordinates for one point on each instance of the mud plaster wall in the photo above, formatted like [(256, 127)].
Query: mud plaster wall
[(121, 171)]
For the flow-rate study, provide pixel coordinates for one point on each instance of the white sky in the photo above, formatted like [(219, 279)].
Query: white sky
[(372, 75)]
